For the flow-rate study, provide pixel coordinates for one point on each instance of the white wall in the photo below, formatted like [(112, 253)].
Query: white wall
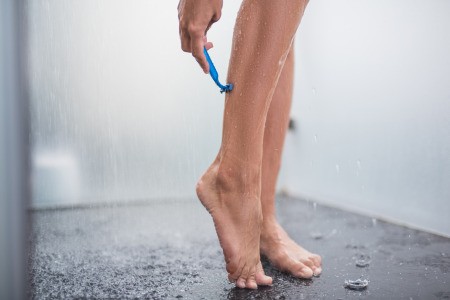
[(372, 102)]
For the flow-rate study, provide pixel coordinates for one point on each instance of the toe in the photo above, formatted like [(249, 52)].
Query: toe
[(317, 271), (316, 264), (240, 283), (307, 262), (231, 278), (301, 270), (294, 266), (251, 283), (261, 277), (310, 264), (316, 259), (242, 280), (234, 271)]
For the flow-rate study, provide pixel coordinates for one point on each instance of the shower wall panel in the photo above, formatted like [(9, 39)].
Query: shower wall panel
[(372, 105), (119, 112)]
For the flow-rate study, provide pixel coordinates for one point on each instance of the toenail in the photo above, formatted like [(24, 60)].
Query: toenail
[(317, 272)]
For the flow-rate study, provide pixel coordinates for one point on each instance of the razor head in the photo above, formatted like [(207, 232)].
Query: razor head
[(227, 88)]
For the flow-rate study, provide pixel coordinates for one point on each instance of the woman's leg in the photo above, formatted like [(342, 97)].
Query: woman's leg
[(282, 251), (231, 187)]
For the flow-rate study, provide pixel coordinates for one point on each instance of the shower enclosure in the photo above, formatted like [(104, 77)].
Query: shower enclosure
[(105, 126)]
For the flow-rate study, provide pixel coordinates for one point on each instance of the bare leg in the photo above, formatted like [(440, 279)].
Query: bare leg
[(282, 251), (231, 187)]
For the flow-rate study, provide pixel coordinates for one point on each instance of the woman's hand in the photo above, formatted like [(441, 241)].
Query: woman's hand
[(195, 18)]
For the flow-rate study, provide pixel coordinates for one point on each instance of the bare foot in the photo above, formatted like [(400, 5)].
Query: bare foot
[(237, 218), (285, 254)]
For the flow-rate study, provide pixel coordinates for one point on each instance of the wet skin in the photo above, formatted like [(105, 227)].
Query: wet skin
[(238, 188), (276, 245)]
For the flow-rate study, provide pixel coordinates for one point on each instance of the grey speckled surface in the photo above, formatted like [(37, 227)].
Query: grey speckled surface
[(169, 250)]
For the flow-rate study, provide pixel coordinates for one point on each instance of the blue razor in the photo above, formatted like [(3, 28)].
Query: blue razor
[(215, 76)]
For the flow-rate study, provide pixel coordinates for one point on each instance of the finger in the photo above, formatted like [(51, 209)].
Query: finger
[(216, 16), (197, 51), (185, 41), (207, 45)]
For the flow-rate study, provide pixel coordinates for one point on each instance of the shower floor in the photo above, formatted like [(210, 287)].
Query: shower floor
[(169, 250)]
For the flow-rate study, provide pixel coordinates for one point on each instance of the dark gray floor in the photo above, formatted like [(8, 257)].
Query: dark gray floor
[(169, 250)]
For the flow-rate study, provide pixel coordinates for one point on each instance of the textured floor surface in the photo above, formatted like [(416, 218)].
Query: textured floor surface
[(169, 250)]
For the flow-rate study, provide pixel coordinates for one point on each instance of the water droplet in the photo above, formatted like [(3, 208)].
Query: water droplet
[(317, 235), (315, 138), (358, 284), (363, 261), (374, 222), (314, 205), (314, 91), (337, 168)]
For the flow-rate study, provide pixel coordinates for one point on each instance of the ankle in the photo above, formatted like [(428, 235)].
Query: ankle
[(269, 226), (237, 179), (269, 220)]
